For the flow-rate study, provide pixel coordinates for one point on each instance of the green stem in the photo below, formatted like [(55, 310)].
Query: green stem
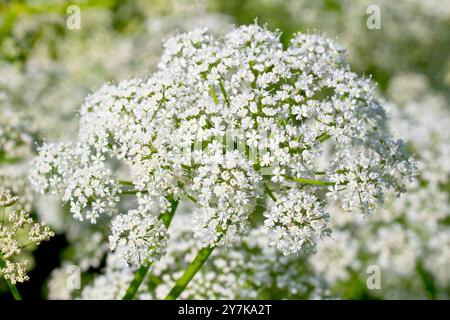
[(269, 192), (167, 216), (189, 273), (224, 93), (311, 181), (191, 198), (323, 137), (11, 286), (133, 192), (213, 95), (140, 274), (14, 290), (125, 183)]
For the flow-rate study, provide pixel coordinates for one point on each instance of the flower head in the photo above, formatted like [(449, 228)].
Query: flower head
[(229, 123), (138, 237)]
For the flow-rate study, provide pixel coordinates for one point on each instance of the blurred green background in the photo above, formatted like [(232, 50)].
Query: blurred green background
[(47, 69)]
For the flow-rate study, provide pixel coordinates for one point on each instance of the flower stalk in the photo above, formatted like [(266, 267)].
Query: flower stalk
[(311, 181)]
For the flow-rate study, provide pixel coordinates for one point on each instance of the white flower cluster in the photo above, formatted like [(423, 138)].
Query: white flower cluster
[(83, 179), (7, 199), (211, 122), (13, 223), (138, 236), (227, 187), (296, 220)]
